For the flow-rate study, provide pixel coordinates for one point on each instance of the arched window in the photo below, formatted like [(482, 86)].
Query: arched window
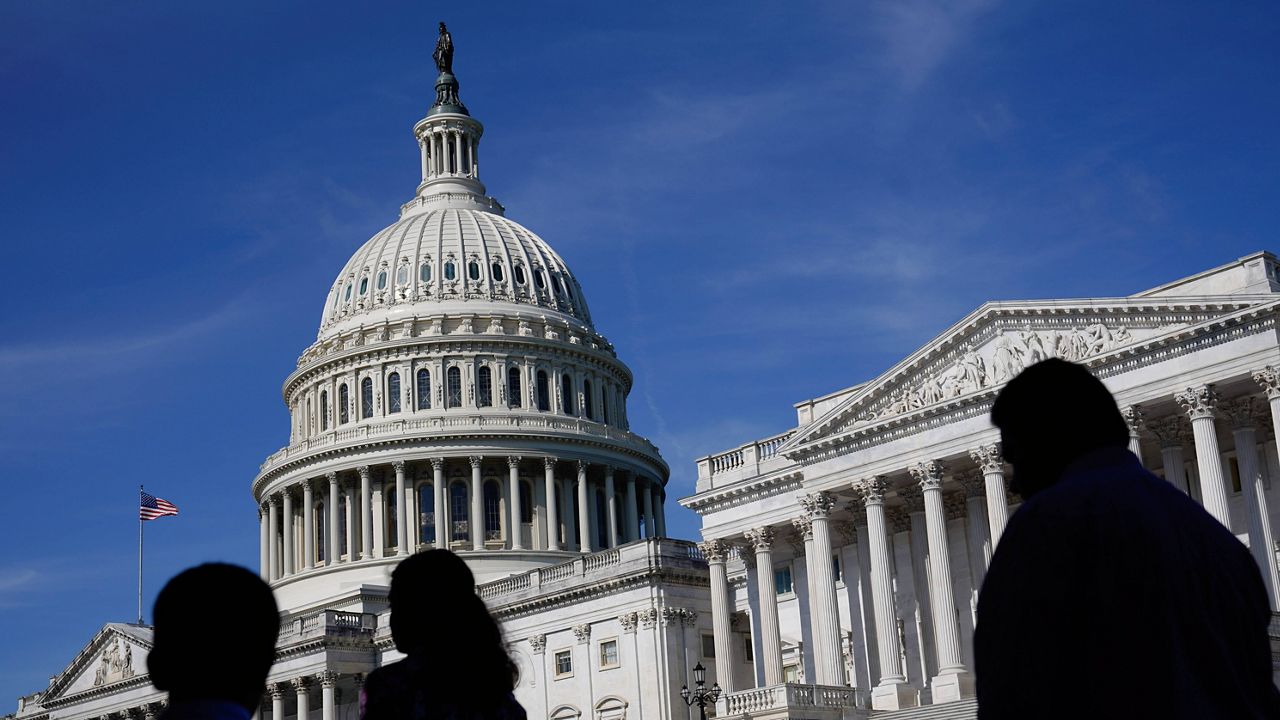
[(544, 392), (566, 393), (514, 389), (402, 275), (458, 511), (496, 271), (366, 398), (424, 272), (484, 387), (450, 271), (382, 280), (427, 514), (318, 521), (324, 410), (424, 389), (453, 387), (393, 392), (344, 402), (492, 511), (391, 500), (526, 502), (519, 273), (473, 270), (586, 400)]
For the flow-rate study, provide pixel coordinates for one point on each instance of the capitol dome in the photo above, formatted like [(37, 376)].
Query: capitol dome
[(457, 396)]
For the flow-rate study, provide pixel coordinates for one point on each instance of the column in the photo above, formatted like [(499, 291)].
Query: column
[(331, 530), (412, 516), (302, 689), (515, 510), (273, 532), (1199, 402), (1261, 545), (659, 509), (631, 513), (761, 540), (426, 160), (277, 700), (439, 499), (992, 465), (328, 681), (828, 652), (716, 552), (366, 514), (402, 509), (611, 506), (287, 566), (647, 497), (953, 681), (476, 523), (893, 692), (1170, 431), (475, 158), (352, 527), (584, 509), (567, 497), (264, 547), (1133, 418), (308, 525), (553, 515), (457, 153)]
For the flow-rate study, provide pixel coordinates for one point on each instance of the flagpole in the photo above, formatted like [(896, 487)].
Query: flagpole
[(140, 491)]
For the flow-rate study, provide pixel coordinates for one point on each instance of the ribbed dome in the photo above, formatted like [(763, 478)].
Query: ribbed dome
[(452, 260)]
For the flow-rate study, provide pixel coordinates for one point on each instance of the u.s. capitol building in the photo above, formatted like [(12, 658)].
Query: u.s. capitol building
[(458, 395)]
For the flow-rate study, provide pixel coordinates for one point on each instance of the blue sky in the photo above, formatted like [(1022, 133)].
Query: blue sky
[(763, 202)]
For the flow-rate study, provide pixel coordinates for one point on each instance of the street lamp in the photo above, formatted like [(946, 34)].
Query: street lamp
[(700, 695)]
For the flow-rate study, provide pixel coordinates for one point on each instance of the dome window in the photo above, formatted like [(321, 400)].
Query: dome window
[(382, 280), (424, 389), (473, 270), (402, 275), (393, 392), (450, 271), (366, 398), (519, 273), (568, 290), (555, 279), (497, 272), (539, 279), (424, 273), (346, 294), (364, 285)]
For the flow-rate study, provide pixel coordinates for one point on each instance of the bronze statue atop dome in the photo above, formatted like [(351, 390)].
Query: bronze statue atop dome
[(444, 51), (446, 84)]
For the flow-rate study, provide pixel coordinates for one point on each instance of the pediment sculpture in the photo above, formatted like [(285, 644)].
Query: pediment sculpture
[(116, 663)]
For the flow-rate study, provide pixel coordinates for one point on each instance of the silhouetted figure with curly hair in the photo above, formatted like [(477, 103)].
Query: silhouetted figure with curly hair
[(215, 639), (1111, 593), (456, 665)]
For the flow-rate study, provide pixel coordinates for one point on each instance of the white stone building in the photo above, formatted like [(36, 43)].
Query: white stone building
[(457, 396), (896, 487)]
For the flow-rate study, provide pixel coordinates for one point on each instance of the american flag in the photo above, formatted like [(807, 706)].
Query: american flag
[(154, 507)]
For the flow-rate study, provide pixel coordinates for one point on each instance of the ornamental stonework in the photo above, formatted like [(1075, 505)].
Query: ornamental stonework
[(582, 633), (1199, 402), (538, 643)]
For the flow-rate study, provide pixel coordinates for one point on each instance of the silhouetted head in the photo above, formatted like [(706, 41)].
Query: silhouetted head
[(215, 635), (1051, 414)]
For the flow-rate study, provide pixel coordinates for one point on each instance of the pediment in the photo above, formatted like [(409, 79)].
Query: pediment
[(977, 355), (117, 654)]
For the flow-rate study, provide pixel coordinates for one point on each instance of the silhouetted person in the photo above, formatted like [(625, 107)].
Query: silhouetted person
[(456, 663), (1111, 593), (215, 639)]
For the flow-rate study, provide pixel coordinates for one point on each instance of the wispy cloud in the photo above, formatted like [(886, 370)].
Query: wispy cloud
[(920, 36)]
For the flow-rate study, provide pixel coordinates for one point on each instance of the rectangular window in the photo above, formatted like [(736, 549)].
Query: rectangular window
[(564, 663), (709, 646), (782, 580), (748, 650), (608, 654)]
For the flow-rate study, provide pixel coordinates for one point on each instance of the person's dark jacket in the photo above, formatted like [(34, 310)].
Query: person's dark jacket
[(412, 689), (1113, 594)]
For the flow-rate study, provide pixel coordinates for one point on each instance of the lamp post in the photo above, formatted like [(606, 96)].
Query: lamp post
[(700, 695)]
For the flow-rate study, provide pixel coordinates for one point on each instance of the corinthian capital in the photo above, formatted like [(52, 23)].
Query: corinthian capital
[(1268, 378), (988, 458), (817, 505), (804, 527), (1240, 412), (1133, 418), (872, 489), (1199, 402), (714, 550), (398, 466), (364, 471), (761, 538), (928, 474)]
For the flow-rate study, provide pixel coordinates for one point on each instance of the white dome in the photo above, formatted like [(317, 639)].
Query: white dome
[(451, 260)]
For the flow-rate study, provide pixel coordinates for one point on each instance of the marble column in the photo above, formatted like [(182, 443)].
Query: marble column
[(584, 509), (1241, 413), (992, 465), (277, 700), (412, 516), (364, 530), (976, 525), (892, 693), (331, 530), (402, 509), (439, 501), (630, 511), (553, 515), (953, 680), (823, 613), (264, 544), (477, 522), (761, 540), (1133, 419), (328, 682), (515, 510), (302, 690), (716, 552), (273, 531), (308, 525), (647, 498), (286, 567), (352, 524), (659, 510), (611, 507), (1170, 431), (1200, 402)]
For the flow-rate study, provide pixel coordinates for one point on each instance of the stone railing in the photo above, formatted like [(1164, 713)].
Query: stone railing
[(787, 696), (745, 457), (326, 622), (450, 423), (632, 557)]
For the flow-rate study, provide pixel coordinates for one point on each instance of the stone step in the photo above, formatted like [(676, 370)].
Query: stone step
[(960, 710)]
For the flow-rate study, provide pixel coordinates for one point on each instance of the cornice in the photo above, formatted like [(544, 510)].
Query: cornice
[(613, 585), (740, 493)]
